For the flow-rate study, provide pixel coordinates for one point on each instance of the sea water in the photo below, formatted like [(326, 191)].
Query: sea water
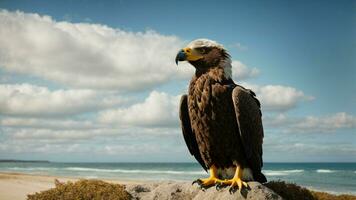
[(330, 177)]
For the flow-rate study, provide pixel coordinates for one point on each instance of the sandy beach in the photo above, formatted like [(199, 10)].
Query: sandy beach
[(16, 186)]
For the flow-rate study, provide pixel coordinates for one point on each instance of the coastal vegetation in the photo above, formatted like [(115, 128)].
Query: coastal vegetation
[(83, 189), (97, 189)]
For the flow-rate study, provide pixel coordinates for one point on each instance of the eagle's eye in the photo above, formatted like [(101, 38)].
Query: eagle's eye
[(202, 50)]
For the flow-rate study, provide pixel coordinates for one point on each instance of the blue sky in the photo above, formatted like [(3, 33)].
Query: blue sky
[(118, 55)]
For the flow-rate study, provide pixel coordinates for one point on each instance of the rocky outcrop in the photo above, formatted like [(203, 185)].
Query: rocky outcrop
[(185, 191)]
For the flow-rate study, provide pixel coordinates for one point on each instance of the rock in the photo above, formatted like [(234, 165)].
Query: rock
[(185, 191)]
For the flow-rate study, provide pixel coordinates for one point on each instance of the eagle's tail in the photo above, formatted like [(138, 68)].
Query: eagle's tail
[(259, 177)]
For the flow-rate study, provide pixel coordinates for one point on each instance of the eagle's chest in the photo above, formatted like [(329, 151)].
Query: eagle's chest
[(208, 101)]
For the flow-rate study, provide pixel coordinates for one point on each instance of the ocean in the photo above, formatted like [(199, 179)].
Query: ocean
[(335, 178)]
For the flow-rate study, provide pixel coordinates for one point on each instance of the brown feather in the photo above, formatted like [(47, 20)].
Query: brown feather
[(248, 115), (213, 120), (188, 134)]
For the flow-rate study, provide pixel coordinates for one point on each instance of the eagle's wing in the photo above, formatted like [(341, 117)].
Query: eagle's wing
[(189, 135), (248, 116)]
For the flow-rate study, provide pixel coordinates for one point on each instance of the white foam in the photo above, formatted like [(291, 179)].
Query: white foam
[(282, 172), (324, 171), (85, 169), (135, 171), (32, 168)]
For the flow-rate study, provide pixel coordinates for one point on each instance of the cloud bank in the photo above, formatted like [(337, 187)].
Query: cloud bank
[(158, 109), (278, 97), (32, 100), (91, 55), (312, 124), (109, 98), (86, 55)]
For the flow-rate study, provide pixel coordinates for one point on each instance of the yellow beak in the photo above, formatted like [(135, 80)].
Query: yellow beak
[(188, 54)]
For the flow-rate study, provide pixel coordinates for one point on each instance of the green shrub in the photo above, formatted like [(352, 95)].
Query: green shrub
[(291, 191), (83, 190), (327, 196)]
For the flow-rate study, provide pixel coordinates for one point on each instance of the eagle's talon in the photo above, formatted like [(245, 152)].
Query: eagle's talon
[(219, 186), (211, 181), (233, 189), (230, 190), (203, 187), (248, 187), (198, 181)]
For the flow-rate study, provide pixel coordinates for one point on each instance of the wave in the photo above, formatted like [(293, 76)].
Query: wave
[(32, 168), (282, 172), (85, 169), (134, 171), (325, 171)]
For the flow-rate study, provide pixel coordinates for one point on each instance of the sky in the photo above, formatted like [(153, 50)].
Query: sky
[(95, 81)]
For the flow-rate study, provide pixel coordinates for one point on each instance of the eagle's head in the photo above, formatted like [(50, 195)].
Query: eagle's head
[(204, 54)]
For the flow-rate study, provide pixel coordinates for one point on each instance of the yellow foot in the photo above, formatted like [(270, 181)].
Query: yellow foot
[(207, 182), (235, 183)]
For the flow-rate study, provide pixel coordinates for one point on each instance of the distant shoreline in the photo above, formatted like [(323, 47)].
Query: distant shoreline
[(25, 161)]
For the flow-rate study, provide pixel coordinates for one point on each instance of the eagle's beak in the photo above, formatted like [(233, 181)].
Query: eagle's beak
[(181, 56), (188, 54)]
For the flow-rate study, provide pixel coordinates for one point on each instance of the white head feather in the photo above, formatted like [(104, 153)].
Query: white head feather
[(204, 43), (211, 43)]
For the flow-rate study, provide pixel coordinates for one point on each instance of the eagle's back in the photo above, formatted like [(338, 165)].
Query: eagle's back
[(213, 119)]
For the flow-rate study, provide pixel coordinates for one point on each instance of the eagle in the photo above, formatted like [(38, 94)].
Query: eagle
[(220, 120)]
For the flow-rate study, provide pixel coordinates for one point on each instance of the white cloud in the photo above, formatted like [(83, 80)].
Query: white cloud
[(47, 134), (276, 120), (92, 55), (137, 148), (326, 123), (31, 100), (239, 46), (87, 55), (311, 124), (241, 72), (85, 134), (312, 148), (59, 136), (132, 149), (158, 109), (44, 148), (278, 97), (43, 123)]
